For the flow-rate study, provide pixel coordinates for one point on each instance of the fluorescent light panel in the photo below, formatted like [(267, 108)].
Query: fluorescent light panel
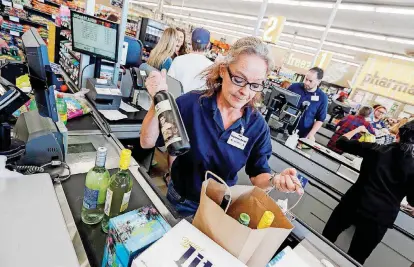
[(345, 32), (291, 24), (344, 6), (210, 21), (345, 62)]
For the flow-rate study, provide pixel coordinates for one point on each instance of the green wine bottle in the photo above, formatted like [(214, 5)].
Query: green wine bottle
[(96, 184), (119, 190)]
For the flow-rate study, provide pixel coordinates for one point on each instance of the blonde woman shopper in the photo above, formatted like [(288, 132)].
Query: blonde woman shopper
[(226, 132), (161, 56)]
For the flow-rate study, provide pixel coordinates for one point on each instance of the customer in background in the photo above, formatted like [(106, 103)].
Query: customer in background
[(160, 56), (373, 202), (378, 116), (315, 115), (187, 68), (181, 45), (350, 123)]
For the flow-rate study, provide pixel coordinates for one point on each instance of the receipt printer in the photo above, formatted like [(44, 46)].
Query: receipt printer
[(103, 94)]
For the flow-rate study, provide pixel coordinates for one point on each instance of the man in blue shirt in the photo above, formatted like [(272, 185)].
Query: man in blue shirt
[(315, 115)]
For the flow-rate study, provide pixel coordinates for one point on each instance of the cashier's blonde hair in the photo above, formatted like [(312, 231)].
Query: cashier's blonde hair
[(164, 49), (243, 46)]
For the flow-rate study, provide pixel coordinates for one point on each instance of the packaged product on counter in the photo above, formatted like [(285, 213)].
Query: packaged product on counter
[(185, 245), (129, 234), (287, 257)]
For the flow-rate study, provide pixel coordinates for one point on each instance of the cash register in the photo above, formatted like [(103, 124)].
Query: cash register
[(283, 114), (43, 135)]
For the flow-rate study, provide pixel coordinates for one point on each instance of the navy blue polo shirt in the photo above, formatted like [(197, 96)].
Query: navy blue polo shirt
[(316, 111), (209, 148)]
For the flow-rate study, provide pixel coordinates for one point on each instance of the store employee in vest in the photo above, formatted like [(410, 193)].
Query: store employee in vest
[(315, 115)]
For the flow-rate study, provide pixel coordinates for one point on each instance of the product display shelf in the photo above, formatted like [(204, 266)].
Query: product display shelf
[(23, 21), (66, 69), (12, 32), (40, 12)]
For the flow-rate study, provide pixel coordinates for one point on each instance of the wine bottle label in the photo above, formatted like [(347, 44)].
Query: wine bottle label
[(108, 201), (125, 201), (90, 199), (162, 106), (169, 129)]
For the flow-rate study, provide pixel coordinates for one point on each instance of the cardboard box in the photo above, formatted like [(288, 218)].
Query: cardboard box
[(130, 234), (184, 246)]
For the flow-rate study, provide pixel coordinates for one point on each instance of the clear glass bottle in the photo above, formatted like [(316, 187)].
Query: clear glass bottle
[(119, 190), (96, 184)]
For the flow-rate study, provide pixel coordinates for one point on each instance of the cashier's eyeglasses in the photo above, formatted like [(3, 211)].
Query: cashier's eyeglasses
[(239, 81)]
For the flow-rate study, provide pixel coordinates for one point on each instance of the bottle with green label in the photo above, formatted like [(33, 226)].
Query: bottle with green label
[(96, 184), (62, 108), (119, 190)]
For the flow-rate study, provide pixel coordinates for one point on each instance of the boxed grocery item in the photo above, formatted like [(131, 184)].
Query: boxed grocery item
[(131, 233), (286, 258), (184, 246)]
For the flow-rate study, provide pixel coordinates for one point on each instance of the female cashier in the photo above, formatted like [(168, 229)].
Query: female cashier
[(226, 132)]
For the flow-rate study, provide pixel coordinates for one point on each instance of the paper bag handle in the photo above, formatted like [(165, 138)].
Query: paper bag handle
[(289, 210), (223, 182)]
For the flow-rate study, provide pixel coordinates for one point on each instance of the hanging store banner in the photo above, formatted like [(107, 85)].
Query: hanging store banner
[(273, 29), (323, 60), (388, 78)]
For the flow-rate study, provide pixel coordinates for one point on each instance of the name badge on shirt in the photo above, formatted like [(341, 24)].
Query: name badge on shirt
[(238, 140), (315, 98)]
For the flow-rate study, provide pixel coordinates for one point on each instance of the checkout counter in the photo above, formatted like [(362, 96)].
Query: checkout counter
[(326, 185), (89, 241), (84, 135)]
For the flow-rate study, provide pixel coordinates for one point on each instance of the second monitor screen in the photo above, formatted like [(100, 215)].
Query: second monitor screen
[(94, 36)]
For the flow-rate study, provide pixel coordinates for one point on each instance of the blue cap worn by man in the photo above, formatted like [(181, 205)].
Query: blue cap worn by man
[(187, 68)]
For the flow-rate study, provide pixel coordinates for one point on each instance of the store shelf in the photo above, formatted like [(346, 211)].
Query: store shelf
[(51, 3), (70, 52), (66, 38), (68, 77), (11, 32), (39, 12), (23, 21)]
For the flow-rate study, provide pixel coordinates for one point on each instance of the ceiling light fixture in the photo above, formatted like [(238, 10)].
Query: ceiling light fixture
[(344, 6), (143, 3), (354, 48), (210, 21), (303, 52), (345, 62), (225, 34)]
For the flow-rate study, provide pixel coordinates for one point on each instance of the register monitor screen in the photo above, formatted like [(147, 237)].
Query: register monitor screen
[(94, 36), (36, 54), (40, 73), (346, 108), (291, 98)]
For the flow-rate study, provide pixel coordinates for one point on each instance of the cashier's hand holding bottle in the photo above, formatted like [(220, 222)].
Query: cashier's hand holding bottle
[(286, 181), (156, 81)]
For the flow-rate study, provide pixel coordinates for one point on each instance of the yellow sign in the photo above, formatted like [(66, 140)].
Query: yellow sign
[(323, 60), (51, 41), (392, 79), (273, 29)]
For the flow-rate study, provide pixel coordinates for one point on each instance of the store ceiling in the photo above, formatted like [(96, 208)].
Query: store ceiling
[(376, 29)]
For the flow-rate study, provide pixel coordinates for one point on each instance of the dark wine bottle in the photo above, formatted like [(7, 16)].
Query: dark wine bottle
[(171, 124), (225, 202)]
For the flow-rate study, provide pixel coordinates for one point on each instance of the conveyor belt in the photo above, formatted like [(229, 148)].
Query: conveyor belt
[(93, 238)]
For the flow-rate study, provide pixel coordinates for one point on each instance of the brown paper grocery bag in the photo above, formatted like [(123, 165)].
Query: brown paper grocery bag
[(253, 247)]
